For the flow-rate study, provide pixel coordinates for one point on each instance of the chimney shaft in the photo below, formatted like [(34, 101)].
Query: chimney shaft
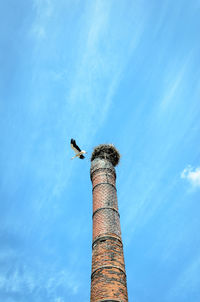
[(108, 279)]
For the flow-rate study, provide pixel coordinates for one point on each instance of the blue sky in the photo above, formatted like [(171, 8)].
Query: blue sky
[(121, 72)]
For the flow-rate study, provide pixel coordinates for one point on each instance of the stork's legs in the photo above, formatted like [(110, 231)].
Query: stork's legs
[(75, 155)]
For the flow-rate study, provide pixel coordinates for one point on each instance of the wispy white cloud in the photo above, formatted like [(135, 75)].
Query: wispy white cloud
[(187, 281), (61, 279), (192, 175), (174, 84), (39, 31), (100, 67), (59, 299), (44, 9), (27, 282)]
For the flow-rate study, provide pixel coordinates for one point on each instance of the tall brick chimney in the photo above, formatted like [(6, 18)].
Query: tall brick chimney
[(108, 279)]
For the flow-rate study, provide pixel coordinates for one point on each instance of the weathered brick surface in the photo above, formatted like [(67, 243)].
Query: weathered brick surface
[(107, 251), (108, 284), (108, 278), (104, 195), (105, 221)]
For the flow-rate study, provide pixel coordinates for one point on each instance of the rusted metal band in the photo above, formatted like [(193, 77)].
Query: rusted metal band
[(107, 267), (100, 169), (104, 183), (105, 208), (105, 300), (102, 238)]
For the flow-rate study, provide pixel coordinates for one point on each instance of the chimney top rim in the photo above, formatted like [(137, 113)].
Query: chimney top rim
[(106, 151)]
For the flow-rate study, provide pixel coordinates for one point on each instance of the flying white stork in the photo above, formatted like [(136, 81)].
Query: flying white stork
[(77, 150)]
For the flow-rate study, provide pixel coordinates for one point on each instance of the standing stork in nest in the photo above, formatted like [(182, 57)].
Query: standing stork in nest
[(77, 150)]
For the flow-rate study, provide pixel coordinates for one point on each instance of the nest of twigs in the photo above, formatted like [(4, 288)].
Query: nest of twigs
[(107, 151)]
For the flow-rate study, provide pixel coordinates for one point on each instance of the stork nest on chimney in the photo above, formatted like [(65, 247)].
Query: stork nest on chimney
[(106, 151)]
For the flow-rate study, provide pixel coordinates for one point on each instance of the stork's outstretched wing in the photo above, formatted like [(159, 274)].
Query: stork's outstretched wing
[(74, 146)]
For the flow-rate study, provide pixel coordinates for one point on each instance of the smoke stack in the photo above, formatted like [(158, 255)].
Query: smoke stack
[(108, 278)]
